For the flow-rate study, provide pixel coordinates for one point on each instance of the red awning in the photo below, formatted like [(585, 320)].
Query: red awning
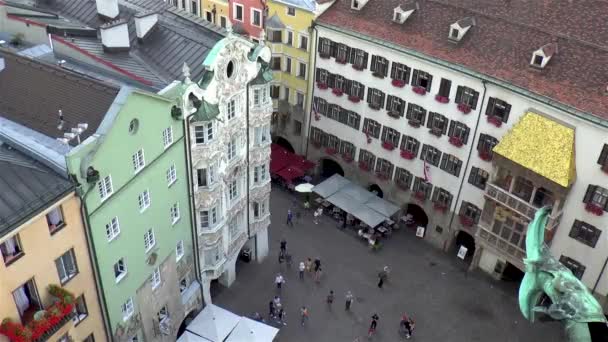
[(280, 158), (290, 173), (301, 163)]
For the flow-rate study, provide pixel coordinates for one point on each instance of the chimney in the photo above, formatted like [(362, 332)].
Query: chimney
[(115, 36), (145, 23), (358, 4), (107, 9)]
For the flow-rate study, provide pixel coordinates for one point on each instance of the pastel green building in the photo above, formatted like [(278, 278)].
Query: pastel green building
[(134, 185)]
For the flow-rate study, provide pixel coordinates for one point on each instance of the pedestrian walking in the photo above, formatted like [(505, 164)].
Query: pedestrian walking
[(302, 269), (318, 274), (303, 315), (308, 265), (317, 264), (349, 300), (373, 325), (281, 317), (279, 281), (277, 303), (382, 276), (407, 324), (330, 299), (317, 214), (270, 310), (289, 217), (283, 246)]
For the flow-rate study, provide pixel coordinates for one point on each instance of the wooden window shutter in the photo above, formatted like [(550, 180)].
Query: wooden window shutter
[(458, 167), (603, 155), (318, 74), (361, 90), (459, 91), (369, 95), (507, 111), (444, 124), (331, 80), (429, 82), (429, 123), (475, 98), (490, 106), (444, 161), (472, 174), (321, 43), (589, 194), (435, 194), (365, 57), (465, 137), (394, 70), (382, 96), (333, 49), (348, 87), (451, 130), (389, 102), (372, 67), (415, 77)]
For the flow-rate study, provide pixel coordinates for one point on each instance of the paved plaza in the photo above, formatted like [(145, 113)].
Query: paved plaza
[(447, 303)]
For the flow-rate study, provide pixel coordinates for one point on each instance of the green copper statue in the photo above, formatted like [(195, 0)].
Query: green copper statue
[(571, 301)]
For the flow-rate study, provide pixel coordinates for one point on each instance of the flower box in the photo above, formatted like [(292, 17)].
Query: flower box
[(387, 145), (330, 151), (402, 186), (419, 90), (414, 123), (464, 108), (316, 144), (337, 91), (347, 158), (485, 155), (382, 176), (420, 195), (341, 60), (456, 141), (324, 55), (494, 120), (393, 114), (398, 83), (374, 106), (466, 221), (358, 67), (322, 86), (440, 207), (363, 166), (354, 99), (594, 209), (441, 99), (378, 74), (407, 155), (436, 132)]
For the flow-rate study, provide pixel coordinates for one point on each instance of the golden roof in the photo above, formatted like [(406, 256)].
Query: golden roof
[(542, 146)]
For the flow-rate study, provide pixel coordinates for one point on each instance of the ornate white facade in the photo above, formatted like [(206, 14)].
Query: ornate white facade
[(229, 155)]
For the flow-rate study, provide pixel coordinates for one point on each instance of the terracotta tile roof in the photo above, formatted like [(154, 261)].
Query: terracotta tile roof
[(501, 43), (32, 92)]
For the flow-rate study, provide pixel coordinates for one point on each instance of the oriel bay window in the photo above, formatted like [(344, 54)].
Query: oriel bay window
[(358, 58), (422, 80), (395, 106), (442, 199), (458, 133), (367, 160), (437, 124), (485, 145), (403, 178), (400, 73), (375, 98), (410, 146), (430, 154), (498, 109), (379, 66), (451, 164), (384, 169), (371, 128), (416, 115), (355, 90), (347, 150), (275, 36), (390, 138), (422, 189), (466, 99)]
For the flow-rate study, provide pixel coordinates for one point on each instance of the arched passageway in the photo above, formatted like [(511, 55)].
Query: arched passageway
[(375, 188), (330, 167), (285, 144)]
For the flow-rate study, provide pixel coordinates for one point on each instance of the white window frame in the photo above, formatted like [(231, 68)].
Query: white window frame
[(232, 148), (171, 175), (300, 64), (174, 213), (298, 94), (112, 229), (167, 137), (179, 250), (225, 21), (260, 173), (207, 133), (289, 33), (261, 135), (122, 267), (127, 309), (231, 109), (68, 274), (155, 279), (290, 64), (234, 228), (212, 218), (149, 240), (105, 187), (139, 161), (233, 191), (195, 3), (253, 16), (235, 5), (258, 96), (290, 8), (144, 200), (300, 36), (262, 208)]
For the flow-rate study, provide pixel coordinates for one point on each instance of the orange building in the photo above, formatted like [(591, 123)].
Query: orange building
[(47, 287)]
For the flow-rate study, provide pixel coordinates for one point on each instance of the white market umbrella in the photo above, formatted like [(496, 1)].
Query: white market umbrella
[(213, 323), (248, 330), (305, 187)]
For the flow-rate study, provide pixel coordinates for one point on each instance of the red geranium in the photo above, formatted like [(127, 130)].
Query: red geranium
[(420, 195), (388, 145), (466, 221), (485, 155), (337, 91), (354, 99), (407, 155), (441, 99), (330, 151), (456, 141), (398, 83), (594, 209), (419, 90), (363, 166), (322, 86), (464, 108), (494, 120)]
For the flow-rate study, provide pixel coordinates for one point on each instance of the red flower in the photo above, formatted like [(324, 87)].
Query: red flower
[(354, 99), (440, 207), (337, 91), (363, 166), (456, 141), (494, 120), (485, 155), (420, 195), (464, 108), (322, 86), (341, 60), (441, 99), (407, 155), (347, 158), (330, 151), (398, 83), (466, 221), (419, 90), (388, 145), (594, 209)]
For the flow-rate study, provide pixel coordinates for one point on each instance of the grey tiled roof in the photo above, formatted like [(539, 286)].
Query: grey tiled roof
[(179, 37), (26, 188)]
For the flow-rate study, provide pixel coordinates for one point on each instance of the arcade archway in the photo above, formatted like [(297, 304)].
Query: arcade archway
[(375, 188), (330, 167), (418, 215), (465, 239), (285, 144)]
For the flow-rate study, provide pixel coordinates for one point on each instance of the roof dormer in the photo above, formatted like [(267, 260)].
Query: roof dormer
[(358, 4), (402, 12), (460, 28), (542, 56)]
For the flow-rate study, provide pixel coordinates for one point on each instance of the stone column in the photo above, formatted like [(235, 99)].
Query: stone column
[(261, 244), (206, 284), (229, 275)]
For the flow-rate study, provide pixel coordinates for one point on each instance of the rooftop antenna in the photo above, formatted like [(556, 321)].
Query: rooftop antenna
[(61, 122)]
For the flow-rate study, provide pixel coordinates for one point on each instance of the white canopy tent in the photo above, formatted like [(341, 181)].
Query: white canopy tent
[(385, 208), (330, 186), (248, 330), (213, 323)]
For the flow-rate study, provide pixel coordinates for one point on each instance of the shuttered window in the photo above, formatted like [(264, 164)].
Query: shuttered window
[(379, 66), (410, 144), (421, 186), (478, 177), (422, 79), (437, 123), (451, 164), (431, 154), (585, 233), (467, 96), (395, 105), (375, 98), (596, 195), (372, 128), (459, 130), (444, 88), (603, 159), (404, 178), (416, 115), (400, 72), (442, 197), (498, 108)]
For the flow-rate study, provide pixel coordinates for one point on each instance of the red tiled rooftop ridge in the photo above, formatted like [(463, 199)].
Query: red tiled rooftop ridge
[(501, 43)]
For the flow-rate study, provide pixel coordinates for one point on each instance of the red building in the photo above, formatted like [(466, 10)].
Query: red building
[(247, 17)]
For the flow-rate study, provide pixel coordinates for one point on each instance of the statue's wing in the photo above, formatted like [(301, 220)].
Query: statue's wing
[(536, 234)]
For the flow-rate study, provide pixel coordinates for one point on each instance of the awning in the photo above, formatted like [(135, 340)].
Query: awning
[(344, 202), (213, 323), (290, 173), (369, 216), (330, 186), (300, 162), (357, 193), (382, 206), (281, 158), (248, 330)]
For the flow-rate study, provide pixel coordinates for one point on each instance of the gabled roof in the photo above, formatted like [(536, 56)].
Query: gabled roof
[(179, 37), (32, 93), (506, 33), (308, 5), (27, 187)]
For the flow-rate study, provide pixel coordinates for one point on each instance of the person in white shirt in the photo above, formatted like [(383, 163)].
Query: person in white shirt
[(302, 269), (279, 281)]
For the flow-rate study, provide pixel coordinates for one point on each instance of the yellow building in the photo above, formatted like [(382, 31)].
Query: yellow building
[(291, 37), (216, 11), (46, 279)]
